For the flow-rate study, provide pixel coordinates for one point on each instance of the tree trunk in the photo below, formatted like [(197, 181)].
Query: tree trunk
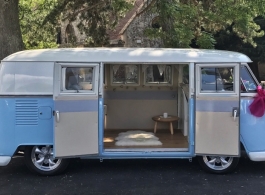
[(10, 33)]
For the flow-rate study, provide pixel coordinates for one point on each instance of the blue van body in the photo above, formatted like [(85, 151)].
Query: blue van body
[(35, 103)]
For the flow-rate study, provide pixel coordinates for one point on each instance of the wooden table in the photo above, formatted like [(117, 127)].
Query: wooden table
[(169, 120)]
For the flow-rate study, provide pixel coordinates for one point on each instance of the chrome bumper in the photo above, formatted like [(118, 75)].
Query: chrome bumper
[(4, 160), (257, 156)]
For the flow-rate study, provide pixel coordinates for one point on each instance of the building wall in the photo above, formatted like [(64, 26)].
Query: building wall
[(134, 33), (132, 36), (80, 37)]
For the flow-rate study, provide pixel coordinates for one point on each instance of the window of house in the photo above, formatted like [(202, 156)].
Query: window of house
[(156, 22), (125, 74), (217, 79), (70, 34), (158, 74)]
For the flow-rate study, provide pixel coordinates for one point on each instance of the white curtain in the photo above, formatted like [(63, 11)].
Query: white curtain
[(115, 68), (161, 68), (132, 68)]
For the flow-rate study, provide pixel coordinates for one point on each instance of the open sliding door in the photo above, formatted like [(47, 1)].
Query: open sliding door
[(217, 109), (75, 109)]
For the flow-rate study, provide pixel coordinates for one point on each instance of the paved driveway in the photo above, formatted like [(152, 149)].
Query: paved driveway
[(134, 177)]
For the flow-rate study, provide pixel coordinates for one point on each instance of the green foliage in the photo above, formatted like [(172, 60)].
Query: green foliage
[(36, 35), (228, 40), (183, 23), (196, 21), (40, 20), (95, 17), (206, 40)]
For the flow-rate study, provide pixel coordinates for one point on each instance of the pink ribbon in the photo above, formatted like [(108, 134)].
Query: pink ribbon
[(257, 107)]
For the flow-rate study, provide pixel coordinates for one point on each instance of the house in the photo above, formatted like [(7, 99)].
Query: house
[(129, 31)]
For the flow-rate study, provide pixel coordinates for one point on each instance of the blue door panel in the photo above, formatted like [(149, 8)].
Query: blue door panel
[(252, 129)]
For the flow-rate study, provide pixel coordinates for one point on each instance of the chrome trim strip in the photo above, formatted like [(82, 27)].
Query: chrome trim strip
[(192, 81), (248, 94), (4, 160), (257, 156)]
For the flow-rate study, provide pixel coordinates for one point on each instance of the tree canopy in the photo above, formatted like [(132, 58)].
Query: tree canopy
[(195, 22), (40, 20), (36, 34), (94, 17), (182, 23)]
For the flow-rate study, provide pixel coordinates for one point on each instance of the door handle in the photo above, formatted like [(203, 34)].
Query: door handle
[(235, 113), (57, 115)]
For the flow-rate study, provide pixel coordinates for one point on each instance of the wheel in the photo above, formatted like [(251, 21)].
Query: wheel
[(40, 160), (218, 164)]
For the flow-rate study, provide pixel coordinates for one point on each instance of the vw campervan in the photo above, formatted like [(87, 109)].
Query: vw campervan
[(58, 104)]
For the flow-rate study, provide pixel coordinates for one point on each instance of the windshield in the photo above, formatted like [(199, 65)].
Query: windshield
[(248, 84)]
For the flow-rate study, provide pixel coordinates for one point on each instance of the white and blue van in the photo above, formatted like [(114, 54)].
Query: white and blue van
[(128, 103)]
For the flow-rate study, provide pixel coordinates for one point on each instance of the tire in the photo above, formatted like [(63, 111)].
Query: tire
[(39, 160), (218, 164)]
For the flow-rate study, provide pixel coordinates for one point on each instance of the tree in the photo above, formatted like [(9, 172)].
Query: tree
[(229, 40), (40, 19), (194, 22), (34, 33), (95, 17), (10, 33)]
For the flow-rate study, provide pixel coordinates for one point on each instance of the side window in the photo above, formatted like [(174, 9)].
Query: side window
[(78, 78), (217, 79), (125, 74), (158, 74), (247, 82)]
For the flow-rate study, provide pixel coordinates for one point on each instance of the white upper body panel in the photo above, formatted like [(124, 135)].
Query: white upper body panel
[(30, 72), (113, 55)]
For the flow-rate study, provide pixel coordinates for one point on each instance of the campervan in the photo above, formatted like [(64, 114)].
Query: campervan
[(128, 103)]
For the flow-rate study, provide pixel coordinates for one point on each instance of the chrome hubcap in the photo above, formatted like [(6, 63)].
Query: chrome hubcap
[(42, 158), (218, 162)]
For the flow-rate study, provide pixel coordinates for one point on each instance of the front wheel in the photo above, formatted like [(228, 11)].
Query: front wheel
[(218, 164), (40, 160)]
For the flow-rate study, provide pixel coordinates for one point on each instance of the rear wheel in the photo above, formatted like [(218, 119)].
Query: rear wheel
[(218, 164), (39, 159)]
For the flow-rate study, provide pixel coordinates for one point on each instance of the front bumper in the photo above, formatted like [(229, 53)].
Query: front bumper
[(4, 160), (257, 156)]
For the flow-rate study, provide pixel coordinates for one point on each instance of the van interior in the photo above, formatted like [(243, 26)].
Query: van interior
[(136, 93)]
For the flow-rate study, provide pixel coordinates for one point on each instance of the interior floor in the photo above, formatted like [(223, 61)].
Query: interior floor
[(177, 140)]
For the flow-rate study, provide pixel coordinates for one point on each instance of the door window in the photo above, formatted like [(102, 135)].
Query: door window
[(217, 79), (78, 78)]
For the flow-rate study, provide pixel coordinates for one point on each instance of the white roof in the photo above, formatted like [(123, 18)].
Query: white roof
[(138, 55)]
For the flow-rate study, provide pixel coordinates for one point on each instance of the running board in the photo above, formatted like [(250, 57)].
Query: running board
[(148, 150)]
